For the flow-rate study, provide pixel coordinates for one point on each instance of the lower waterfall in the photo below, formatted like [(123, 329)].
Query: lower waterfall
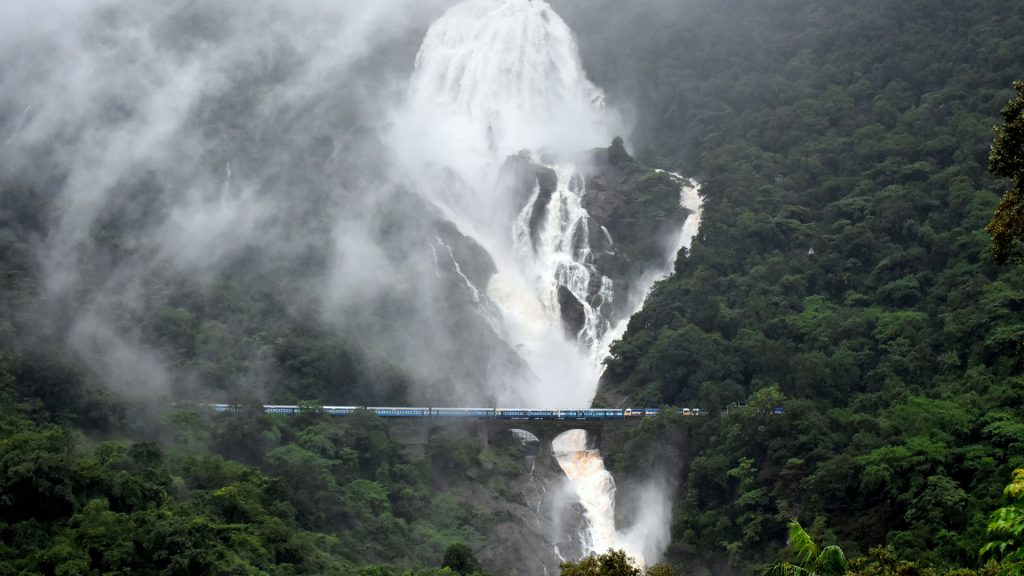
[(595, 488)]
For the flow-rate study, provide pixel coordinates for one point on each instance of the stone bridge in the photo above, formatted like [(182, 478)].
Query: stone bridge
[(416, 433)]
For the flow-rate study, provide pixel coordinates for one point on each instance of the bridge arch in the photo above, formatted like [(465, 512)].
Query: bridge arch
[(514, 433), (544, 431)]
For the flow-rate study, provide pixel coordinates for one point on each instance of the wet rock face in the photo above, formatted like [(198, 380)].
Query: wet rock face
[(547, 183), (604, 199), (534, 524), (520, 174), (573, 315), (473, 259), (633, 209)]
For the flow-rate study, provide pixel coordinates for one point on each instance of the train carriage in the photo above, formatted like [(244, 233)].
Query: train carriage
[(476, 413)]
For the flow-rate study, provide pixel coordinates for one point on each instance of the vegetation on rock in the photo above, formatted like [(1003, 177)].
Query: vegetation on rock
[(1006, 159)]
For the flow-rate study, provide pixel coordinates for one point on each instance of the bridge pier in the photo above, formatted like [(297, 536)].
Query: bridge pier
[(483, 435), (415, 436), (415, 433)]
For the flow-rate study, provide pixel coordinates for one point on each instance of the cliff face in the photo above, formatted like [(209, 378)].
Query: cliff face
[(437, 318), (633, 214), (520, 175), (636, 213), (536, 523), (521, 514)]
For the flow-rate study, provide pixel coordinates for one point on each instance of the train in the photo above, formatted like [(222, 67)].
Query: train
[(472, 413)]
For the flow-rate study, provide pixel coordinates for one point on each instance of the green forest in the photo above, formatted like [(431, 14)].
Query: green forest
[(236, 493), (843, 271)]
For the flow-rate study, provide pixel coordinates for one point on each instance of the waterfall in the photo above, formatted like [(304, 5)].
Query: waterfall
[(562, 254), (596, 490), (494, 78)]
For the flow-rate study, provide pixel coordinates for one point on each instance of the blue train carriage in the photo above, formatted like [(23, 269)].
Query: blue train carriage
[(569, 415), (280, 409), (541, 414), (604, 414), (399, 412), (469, 413), (339, 410), (512, 414), (589, 414)]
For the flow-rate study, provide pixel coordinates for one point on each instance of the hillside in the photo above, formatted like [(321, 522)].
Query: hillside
[(203, 203), (842, 268)]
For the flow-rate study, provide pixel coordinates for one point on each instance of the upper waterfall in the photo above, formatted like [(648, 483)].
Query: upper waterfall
[(493, 77)]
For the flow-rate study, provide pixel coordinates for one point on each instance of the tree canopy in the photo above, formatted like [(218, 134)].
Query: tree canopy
[(610, 563), (1006, 529), (1006, 159)]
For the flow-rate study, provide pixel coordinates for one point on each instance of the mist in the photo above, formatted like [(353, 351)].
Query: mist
[(185, 141), (257, 202)]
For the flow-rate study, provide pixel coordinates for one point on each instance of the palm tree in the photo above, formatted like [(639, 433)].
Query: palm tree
[(810, 561)]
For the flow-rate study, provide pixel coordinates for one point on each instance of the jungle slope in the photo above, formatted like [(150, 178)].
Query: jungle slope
[(842, 268)]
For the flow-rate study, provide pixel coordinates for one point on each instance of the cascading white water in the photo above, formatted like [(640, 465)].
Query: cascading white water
[(493, 78), (584, 467), (596, 490), (563, 259), (505, 75)]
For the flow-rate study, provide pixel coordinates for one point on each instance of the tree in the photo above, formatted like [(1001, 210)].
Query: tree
[(1006, 529), (660, 569), (811, 561), (611, 563), (1006, 159), (459, 558), (884, 562)]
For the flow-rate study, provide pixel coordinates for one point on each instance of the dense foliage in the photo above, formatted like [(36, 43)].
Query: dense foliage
[(842, 271), (1007, 160), (235, 493), (810, 559), (1006, 529), (611, 563)]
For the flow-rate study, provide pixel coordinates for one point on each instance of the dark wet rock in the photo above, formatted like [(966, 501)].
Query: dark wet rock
[(547, 183), (473, 259), (520, 175), (639, 208), (572, 313), (529, 521)]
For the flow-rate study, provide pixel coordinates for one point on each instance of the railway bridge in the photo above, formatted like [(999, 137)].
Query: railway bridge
[(417, 434), (414, 426)]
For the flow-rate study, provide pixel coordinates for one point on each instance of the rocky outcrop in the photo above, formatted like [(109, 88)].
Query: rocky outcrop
[(533, 524), (634, 215), (473, 259), (634, 212), (521, 175), (573, 315), (434, 319)]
